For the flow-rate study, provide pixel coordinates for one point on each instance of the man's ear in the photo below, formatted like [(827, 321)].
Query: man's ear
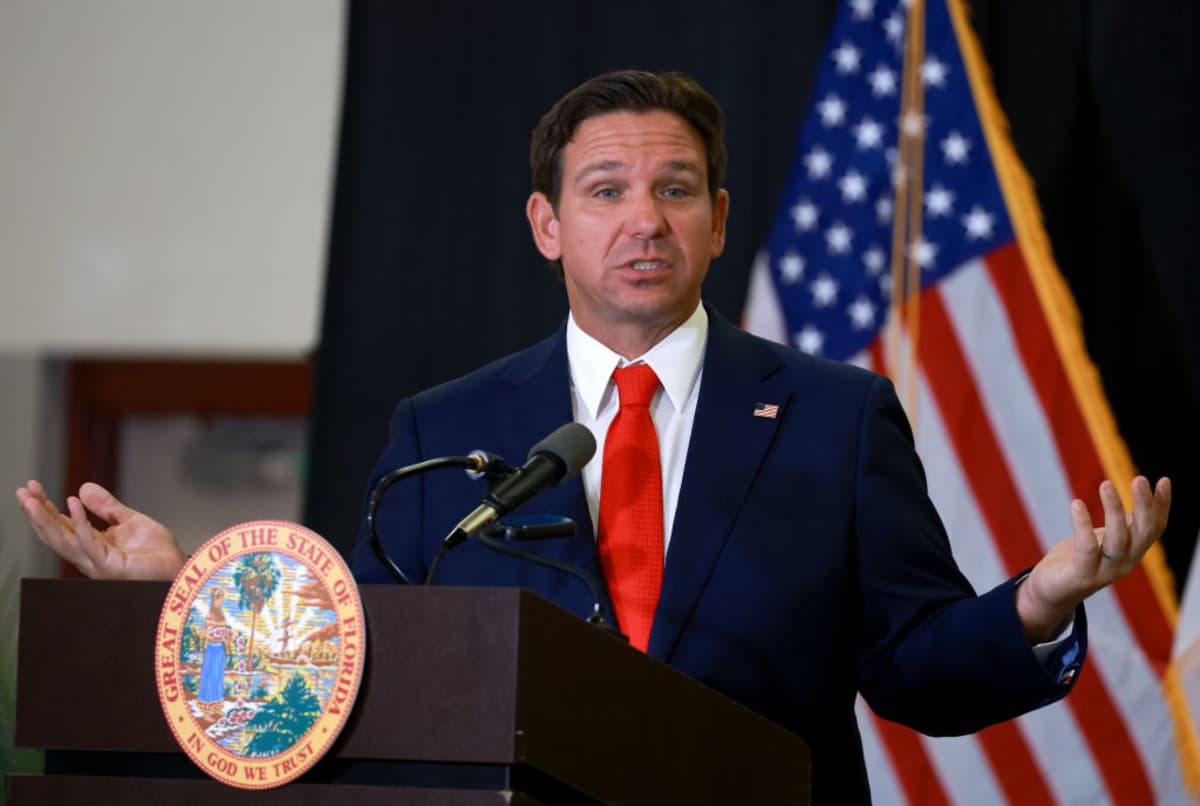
[(544, 224), (720, 213)]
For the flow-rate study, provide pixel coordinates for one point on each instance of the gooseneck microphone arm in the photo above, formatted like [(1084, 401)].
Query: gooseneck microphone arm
[(597, 614), (558, 456), (479, 464)]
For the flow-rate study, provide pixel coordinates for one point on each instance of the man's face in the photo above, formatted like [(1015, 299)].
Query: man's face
[(635, 227)]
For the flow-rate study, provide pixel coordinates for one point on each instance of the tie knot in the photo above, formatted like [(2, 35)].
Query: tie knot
[(636, 384)]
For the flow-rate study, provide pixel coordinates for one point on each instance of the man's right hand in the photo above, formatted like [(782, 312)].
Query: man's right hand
[(134, 546)]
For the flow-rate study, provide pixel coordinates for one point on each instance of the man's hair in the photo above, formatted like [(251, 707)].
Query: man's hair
[(626, 91)]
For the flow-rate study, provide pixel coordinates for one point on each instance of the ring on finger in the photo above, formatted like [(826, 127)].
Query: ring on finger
[(1112, 557)]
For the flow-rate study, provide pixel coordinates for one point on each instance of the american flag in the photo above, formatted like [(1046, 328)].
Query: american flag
[(909, 241), (768, 410)]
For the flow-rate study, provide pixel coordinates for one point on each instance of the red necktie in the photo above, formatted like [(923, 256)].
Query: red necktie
[(630, 533)]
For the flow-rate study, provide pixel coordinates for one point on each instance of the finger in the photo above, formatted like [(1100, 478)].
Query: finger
[(39, 492), (49, 505), (1162, 503), (1087, 547), (1116, 545), (1142, 525), (104, 503), (26, 494), (91, 554), (41, 517), (1149, 512), (54, 533)]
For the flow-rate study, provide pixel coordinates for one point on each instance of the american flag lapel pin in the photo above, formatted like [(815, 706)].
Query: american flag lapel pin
[(768, 410)]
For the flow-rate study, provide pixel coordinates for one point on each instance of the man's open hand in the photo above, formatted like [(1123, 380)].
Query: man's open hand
[(133, 546), (1092, 558)]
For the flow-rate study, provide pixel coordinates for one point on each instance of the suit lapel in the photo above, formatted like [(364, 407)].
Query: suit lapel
[(534, 399), (727, 447)]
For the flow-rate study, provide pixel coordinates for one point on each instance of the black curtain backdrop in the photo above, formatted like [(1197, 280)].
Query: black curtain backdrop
[(432, 271)]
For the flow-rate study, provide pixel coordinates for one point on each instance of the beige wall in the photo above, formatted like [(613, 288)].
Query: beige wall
[(165, 187), (30, 437), (165, 168)]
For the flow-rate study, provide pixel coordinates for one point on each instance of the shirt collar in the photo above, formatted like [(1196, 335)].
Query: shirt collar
[(675, 360)]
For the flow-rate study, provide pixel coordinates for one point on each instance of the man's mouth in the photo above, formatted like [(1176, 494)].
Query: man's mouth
[(647, 265)]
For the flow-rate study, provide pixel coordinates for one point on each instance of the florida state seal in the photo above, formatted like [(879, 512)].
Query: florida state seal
[(260, 652)]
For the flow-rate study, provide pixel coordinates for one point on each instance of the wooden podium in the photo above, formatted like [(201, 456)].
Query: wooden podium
[(471, 696)]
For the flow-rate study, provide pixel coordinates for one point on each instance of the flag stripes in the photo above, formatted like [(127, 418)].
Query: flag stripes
[(1084, 469), (967, 772), (1092, 726), (1007, 753), (883, 775), (1007, 410), (987, 469), (1051, 732), (1013, 764), (910, 759)]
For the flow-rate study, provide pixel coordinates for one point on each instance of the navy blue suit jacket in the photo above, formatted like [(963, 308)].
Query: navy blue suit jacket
[(806, 561)]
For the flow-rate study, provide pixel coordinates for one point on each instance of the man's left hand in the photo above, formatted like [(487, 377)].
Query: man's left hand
[(1092, 558)]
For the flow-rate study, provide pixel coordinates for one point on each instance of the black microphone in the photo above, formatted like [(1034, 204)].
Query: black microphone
[(559, 456)]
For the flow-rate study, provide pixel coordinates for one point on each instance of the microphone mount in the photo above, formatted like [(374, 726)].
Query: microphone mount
[(478, 464)]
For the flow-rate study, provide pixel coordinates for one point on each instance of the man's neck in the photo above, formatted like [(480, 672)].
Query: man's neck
[(633, 340)]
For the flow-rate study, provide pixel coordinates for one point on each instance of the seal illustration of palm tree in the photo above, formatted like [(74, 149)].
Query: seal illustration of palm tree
[(256, 578)]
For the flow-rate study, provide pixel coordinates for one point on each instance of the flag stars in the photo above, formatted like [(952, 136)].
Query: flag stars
[(853, 186), (791, 267), (819, 163), (810, 340), (874, 259), (838, 238), (933, 72), (832, 111), (924, 252), (847, 57), (862, 313), (883, 81), (868, 134), (955, 148), (804, 215), (863, 9), (883, 209), (939, 201), (893, 27), (978, 223), (824, 291)]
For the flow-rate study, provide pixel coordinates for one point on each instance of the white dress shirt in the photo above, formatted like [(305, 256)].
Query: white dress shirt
[(677, 361)]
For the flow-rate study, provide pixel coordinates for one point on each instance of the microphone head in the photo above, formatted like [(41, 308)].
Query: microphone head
[(571, 444)]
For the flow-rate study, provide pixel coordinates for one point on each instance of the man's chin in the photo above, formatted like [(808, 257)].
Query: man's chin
[(655, 314)]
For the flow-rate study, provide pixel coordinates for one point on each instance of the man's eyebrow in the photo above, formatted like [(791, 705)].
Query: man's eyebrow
[(684, 166), (597, 167), (603, 166)]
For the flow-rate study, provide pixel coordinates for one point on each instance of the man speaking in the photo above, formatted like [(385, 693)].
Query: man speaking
[(759, 516)]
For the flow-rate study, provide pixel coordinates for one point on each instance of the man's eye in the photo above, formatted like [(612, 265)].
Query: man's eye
[(676, 192), (606, 193)]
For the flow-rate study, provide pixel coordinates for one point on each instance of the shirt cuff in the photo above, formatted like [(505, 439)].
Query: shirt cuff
[(1060, 655), (1044, 650)]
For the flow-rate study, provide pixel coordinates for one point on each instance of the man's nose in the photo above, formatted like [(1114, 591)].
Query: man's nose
[(646, 219)]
